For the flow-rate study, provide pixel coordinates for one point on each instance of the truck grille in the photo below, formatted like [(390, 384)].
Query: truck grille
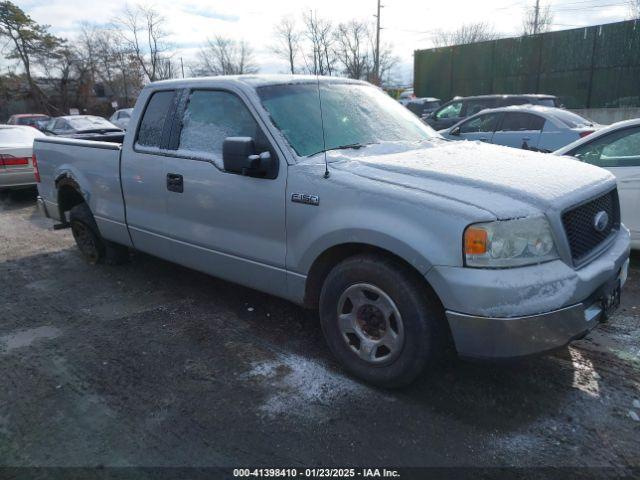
[(579, 224)]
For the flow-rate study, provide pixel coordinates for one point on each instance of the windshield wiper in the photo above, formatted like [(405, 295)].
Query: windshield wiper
[(354, 146)]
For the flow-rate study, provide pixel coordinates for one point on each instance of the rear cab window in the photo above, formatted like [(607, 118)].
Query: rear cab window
[(155, 125)]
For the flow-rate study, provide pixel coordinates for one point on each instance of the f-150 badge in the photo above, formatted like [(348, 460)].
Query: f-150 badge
[(306, 199)]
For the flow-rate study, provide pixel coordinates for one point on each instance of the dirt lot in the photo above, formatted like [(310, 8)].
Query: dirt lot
[(153, 364)]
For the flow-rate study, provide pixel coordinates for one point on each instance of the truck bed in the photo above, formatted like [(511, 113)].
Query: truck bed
[(95, 166)]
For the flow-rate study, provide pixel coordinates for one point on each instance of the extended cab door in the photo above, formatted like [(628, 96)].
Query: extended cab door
[(226, 224), (143, 173), (519, 130)]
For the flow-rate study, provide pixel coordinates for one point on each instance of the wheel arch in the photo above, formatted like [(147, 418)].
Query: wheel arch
[(69, 193), (333, 255)]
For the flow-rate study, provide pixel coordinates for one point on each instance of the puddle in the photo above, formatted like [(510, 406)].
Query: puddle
[(24, 338)]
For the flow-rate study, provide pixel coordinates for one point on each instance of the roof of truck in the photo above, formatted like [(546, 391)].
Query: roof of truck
[(258, 80)]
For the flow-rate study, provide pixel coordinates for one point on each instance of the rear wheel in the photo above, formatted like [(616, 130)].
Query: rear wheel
[(381, 321), (92, 246)]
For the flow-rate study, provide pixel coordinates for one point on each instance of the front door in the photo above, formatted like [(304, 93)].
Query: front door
[(226, 224)]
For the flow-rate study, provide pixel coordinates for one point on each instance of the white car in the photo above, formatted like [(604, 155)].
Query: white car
[(120, 118), (617, 149), (530, 127), (16, 151)]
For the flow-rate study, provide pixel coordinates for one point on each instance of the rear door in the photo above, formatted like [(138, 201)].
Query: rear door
[(229, 225), (619, 152), (143, 173), (519, 130)]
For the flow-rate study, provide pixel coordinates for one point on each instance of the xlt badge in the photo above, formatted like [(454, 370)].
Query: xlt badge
[(304, 198)]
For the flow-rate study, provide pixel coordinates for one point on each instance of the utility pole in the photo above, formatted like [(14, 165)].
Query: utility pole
[(182, 67), (376, 67), (537, 18)]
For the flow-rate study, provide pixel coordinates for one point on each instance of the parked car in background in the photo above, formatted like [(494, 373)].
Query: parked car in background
[(87, 127), (404, 241), (120, 118), (35, 120), (16, 152), (529, 127), (423, 106), (406, 96), (617, 149), (458, 109)]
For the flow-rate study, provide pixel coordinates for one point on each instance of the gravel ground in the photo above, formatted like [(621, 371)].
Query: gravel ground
[(151, 364)]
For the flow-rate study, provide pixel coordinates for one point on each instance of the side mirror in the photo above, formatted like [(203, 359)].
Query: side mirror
[(455, 132), (239, 156)]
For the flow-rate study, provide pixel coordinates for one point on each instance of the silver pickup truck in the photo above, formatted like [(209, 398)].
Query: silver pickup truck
[(330, 194)]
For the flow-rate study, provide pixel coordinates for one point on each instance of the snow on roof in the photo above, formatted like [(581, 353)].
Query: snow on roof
[(255, 80)]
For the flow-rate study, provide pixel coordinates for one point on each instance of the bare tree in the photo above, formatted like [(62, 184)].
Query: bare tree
[(223, 56), (466, 33), (352, 41), (108, 59), (143, 30), (537, 19), (634, 9), (320, 57), (287, 44)]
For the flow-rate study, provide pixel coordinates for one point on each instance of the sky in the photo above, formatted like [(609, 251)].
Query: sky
[(408, 25)]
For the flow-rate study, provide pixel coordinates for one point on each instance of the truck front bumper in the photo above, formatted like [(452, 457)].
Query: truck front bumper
[(523, 311)]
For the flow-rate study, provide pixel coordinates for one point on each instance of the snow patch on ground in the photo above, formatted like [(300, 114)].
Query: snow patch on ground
[(25, 338), (302, 387)]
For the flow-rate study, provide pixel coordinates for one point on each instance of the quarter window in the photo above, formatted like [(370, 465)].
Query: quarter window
[(153, 121)]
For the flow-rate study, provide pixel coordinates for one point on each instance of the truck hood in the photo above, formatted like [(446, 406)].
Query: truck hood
[(505, 181)]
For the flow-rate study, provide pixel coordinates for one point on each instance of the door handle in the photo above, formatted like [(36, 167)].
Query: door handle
[(175, 183)]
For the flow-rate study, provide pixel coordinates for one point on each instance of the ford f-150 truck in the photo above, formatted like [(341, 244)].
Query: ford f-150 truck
[(328, 193)]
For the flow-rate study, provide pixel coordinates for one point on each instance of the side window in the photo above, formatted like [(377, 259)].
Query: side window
[(212, 116), (521, 122), (483, 123), (154, 119), (618, 149), (450, 111), (61, 125), (475, 106)]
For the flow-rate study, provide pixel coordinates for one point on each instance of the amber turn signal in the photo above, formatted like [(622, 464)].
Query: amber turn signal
[(476, 241)]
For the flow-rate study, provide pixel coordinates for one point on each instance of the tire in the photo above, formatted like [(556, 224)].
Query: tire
[(92, 246), (381, 320)]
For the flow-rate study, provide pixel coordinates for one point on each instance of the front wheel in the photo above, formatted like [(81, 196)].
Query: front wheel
[(380, 320)]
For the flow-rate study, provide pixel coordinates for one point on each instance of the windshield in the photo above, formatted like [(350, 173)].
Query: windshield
[(90, 123), (352, 115), (18, 136)]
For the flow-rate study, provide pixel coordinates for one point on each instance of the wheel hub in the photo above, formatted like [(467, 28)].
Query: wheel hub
[(370, 323), (371, 320)]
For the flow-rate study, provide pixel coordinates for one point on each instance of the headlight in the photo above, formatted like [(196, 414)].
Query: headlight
[(509, 243)]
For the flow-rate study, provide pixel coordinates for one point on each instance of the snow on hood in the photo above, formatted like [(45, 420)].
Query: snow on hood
[(506, 181)]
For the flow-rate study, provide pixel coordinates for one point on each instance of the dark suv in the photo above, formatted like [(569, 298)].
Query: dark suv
[(461, 107)]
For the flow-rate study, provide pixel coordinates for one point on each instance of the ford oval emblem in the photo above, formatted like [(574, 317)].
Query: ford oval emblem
[(600, 221)]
